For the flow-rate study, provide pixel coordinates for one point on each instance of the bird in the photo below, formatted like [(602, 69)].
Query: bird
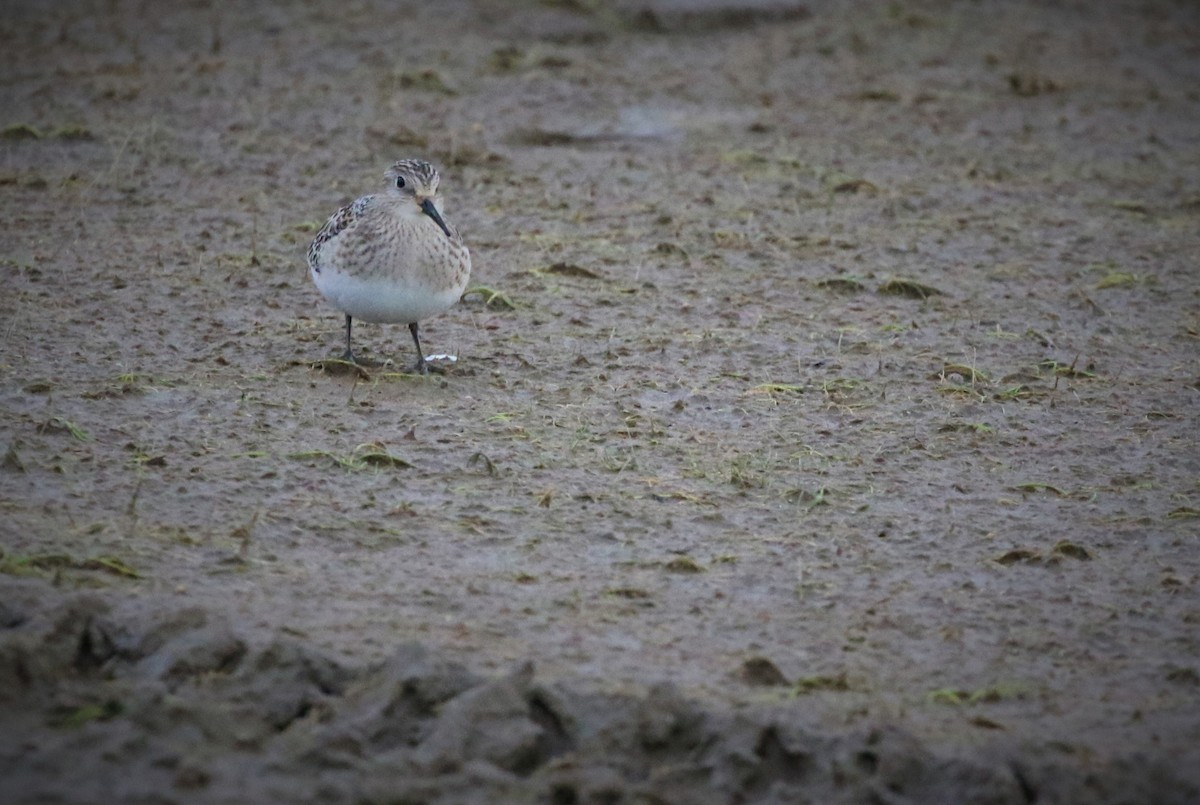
[(391, 257)]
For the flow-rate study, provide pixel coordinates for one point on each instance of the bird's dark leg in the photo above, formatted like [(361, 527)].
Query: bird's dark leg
[(348, 355), (421, 368)]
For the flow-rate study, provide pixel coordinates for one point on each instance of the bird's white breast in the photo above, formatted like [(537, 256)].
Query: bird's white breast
[(392, 268)]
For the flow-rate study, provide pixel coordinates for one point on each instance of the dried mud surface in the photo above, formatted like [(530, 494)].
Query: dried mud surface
[(824, 426)]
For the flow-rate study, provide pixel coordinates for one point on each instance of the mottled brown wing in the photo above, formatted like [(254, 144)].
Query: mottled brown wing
[(339, 222)]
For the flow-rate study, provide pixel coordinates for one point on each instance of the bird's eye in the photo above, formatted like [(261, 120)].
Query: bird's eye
[(400, 182)]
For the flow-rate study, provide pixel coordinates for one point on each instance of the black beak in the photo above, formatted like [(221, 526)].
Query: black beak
[(430, 210)]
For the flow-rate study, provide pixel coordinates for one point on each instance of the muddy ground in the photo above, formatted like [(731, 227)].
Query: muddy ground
[(824, 426)]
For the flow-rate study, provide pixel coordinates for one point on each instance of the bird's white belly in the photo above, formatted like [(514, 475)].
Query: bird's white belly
[(384, 301)]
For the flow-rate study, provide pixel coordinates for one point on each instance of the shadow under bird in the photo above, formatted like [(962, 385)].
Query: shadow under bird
[(391, 257)]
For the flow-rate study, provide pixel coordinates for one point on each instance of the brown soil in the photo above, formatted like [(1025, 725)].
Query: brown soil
[(824, 426)]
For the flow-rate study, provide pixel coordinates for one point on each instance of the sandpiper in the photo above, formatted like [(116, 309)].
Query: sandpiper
[(391, 257)]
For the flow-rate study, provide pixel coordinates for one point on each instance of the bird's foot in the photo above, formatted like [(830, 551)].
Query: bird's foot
[(438, 364), (342, 366)]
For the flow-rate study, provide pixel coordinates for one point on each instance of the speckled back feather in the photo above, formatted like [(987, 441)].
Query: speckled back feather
[(337, 223)]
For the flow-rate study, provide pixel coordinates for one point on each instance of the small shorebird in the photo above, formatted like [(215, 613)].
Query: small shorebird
[(391, 257)]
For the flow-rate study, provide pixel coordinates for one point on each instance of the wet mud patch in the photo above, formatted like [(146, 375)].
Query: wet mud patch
[(113, 703), (823, 424)]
